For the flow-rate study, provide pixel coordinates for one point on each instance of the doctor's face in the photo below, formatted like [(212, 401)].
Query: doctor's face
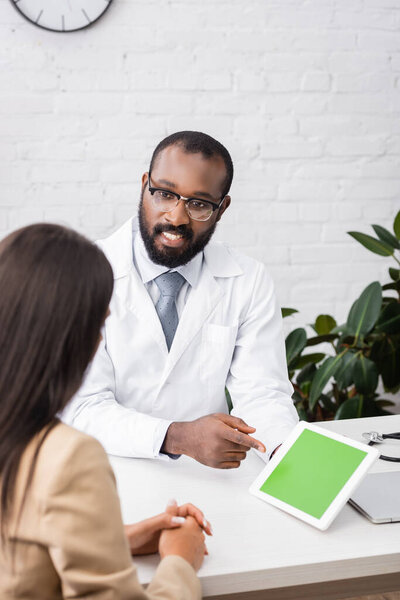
[(173, 238)]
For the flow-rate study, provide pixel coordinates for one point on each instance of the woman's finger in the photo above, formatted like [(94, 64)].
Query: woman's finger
[(172, 507), (177, 521), (164, 521), (191, 510), (170, 520)]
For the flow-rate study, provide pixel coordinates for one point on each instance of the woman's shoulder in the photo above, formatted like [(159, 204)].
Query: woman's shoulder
[(67, 438), (64, 453), (61, 441), (59, 460)]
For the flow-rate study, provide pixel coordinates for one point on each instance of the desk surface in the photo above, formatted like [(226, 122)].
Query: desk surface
[(256, 546)]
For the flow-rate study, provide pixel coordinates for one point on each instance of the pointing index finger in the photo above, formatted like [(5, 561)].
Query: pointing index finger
[(237, 437), (237, 423)]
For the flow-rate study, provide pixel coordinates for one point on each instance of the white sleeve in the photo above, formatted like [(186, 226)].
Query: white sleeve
[(95, 410), (258, 380)]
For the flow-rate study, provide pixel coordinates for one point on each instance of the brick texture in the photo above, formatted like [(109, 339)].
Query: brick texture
[(306, 95)]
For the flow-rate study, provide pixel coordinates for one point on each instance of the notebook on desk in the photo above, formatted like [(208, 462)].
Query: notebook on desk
[(378, 497)]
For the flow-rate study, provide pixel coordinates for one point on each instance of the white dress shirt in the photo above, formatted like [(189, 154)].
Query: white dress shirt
[(148, 271)]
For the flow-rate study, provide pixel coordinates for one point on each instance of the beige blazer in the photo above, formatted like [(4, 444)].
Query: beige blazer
[(70, 541)]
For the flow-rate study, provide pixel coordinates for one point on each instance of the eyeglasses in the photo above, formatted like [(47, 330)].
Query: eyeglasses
[(197, 209)]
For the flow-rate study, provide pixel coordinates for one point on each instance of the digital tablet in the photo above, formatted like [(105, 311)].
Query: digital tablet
[(313, 474)]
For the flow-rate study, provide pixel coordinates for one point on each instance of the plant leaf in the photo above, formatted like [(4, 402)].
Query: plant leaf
[(365, 310), (305, 388), (389, 319), (393, 390), (344, 373), (349, 409), (384, 402), (365, 375), (297, 397), (372, 244), (321, 378), (228, 400), (339, 328), (372, 408), (386, 355), (286, 312), (324, 324), (394, 273), (306, 374), (302, 414), (396, 225), (385, 236), (327, 403), (392, 286), (306, 359), (329, 337), (295, 342)]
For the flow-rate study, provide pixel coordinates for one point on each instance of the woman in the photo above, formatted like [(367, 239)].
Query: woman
[(61, 529)]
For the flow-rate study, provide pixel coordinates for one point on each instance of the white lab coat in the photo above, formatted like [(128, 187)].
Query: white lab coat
[(229, 333)]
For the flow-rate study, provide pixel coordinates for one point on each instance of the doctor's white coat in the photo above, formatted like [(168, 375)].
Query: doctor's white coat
[(229, 334)]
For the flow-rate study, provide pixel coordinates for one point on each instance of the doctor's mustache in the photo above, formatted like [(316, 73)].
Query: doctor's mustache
[(182, 230)]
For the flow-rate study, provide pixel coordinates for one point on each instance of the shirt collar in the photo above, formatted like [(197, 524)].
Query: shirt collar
[(148, 270)]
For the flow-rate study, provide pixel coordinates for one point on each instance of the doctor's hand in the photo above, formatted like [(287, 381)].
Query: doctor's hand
[(216, 440), (144, 537)]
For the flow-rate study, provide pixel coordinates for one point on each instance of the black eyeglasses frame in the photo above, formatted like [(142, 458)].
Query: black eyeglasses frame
[(214, 205)]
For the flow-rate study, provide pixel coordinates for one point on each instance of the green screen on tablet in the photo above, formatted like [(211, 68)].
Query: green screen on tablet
[(312, 472)]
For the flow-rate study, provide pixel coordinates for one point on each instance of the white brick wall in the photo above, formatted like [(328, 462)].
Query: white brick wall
[(305, 94)]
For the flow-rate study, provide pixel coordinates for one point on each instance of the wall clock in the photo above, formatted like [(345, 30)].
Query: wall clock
[(62, 15)]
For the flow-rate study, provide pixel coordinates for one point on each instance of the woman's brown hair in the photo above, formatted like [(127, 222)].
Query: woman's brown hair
[(55, 288)]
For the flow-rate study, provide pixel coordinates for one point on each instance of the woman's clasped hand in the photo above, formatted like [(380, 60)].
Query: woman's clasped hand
[(177, 531)]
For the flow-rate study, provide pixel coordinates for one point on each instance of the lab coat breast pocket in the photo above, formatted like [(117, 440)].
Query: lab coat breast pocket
[(217, 347)]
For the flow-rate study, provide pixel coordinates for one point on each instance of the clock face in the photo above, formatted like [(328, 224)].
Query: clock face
[(62, 15)]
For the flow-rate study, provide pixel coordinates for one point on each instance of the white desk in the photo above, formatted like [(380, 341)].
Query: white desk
[(257, 551)]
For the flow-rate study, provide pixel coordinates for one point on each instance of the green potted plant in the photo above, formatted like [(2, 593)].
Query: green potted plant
[(365, 350)]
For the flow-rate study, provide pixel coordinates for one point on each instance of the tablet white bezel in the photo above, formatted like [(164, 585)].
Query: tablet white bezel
[(343, 496)]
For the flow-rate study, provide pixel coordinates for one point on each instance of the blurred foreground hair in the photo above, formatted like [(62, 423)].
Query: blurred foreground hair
[(55, 288)]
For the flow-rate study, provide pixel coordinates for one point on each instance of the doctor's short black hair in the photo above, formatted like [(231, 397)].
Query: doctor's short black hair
[(194, 142)]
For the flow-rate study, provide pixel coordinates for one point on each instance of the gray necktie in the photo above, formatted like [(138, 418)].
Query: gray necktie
[(169, 285)]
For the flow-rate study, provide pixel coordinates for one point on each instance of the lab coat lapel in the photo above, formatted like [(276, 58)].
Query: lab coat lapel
[(140, 303), (201, 302), (128, 284)]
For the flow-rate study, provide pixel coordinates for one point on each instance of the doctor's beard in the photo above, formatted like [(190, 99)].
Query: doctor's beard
[(171, 257)]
